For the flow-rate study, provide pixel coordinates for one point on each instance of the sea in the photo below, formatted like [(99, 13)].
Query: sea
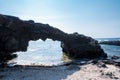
[(50, 53)]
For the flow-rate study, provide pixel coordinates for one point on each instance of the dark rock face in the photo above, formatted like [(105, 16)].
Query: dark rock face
[(15, 35), (79, 46), (117, 43)]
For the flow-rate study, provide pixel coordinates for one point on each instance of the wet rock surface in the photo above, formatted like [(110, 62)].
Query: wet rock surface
[(15, 35)]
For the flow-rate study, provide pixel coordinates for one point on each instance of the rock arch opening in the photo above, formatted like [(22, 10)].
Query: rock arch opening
[(40, 52)]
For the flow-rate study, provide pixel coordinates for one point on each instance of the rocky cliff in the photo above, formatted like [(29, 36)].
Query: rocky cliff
[(16, 33)]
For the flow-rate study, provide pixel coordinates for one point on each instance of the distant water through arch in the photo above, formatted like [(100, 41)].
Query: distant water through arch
[(41, 53)]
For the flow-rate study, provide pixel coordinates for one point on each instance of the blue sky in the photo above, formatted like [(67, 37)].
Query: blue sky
[(95, 18)]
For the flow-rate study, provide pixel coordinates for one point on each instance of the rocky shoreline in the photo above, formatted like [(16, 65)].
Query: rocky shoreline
[(97, 69), (88, 58)]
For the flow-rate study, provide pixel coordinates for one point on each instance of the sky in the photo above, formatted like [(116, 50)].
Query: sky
[(95, 18)]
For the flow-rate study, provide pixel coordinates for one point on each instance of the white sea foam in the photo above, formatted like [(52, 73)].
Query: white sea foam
[(40, 52)]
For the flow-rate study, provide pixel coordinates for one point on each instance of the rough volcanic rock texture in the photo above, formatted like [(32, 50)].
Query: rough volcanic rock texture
[(15, 35), (79, 46)]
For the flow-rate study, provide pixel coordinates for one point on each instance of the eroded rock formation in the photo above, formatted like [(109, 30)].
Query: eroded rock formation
[(79, 46), (16, 33)]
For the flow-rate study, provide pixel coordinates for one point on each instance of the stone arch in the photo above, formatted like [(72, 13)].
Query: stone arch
[(75, 45)]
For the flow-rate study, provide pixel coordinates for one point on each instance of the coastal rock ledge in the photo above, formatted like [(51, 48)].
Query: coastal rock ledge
[(116, 43), (15, 35)]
